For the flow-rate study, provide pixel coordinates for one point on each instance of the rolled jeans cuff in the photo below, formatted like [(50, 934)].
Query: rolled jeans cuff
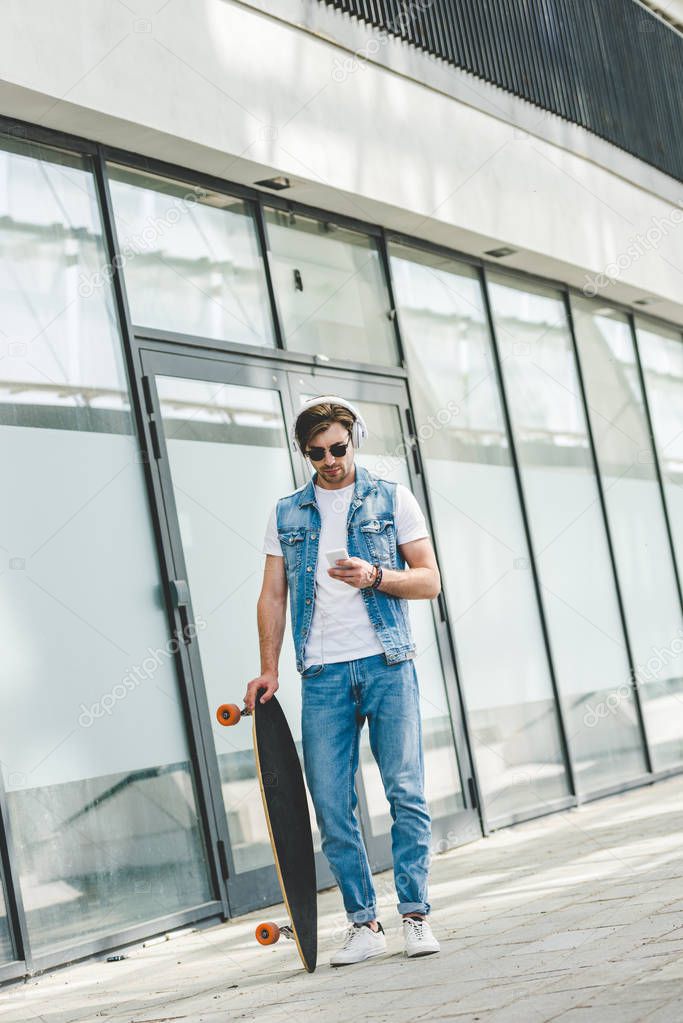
[(362, 916), (414, 907)]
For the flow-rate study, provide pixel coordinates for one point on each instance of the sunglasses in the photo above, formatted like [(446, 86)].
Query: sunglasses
[(338, 450)]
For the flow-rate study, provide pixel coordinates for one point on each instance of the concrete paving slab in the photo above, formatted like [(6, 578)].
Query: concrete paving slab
[(672, 1012), (572, 918), (632, 1013)]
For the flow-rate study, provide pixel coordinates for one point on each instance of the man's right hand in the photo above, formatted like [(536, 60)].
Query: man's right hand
[(266, 681)]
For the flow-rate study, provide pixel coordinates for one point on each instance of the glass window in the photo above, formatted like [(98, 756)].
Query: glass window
[(330, 288), (215, 435), (661, 356), (479, 531), (636, 519), (568, 533), (191, 259), (94, 751)]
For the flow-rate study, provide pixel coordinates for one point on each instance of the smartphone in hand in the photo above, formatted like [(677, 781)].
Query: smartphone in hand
[(335, 555)]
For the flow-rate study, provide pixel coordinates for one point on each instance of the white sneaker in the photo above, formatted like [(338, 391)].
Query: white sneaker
[(418, 937), (360, 943)]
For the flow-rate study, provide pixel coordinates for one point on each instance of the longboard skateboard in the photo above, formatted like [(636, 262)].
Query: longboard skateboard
[(289, 825)]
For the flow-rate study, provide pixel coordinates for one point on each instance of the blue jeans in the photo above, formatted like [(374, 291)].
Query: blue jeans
[(336, 700)]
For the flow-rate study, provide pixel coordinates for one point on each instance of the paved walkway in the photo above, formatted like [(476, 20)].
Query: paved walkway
[(576, 917)]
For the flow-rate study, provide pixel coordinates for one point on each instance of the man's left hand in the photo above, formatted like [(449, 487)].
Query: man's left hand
[(353, 571)]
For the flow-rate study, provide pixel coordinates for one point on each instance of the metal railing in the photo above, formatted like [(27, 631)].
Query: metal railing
[(611, 66)]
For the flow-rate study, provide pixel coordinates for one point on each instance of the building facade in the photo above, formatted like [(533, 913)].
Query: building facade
[(466, 219)]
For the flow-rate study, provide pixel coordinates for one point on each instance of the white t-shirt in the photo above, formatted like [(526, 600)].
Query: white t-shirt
[(341, 629)]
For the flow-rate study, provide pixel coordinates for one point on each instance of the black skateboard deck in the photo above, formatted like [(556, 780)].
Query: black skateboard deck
[(286, 808)]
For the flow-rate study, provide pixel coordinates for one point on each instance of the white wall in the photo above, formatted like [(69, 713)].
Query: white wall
[(219, 86), (671, 10)]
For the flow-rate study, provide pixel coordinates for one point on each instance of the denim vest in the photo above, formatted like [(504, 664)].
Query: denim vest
[(371, 535)]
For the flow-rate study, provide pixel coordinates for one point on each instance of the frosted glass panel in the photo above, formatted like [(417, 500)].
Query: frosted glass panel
[(383, 453), (637, 524), (482, 550), (94, 751), (661, 356), (330, 289), (570, 543), (218, 436), (191, 259)]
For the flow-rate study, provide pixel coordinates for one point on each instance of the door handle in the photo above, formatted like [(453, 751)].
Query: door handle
[(180, 594)]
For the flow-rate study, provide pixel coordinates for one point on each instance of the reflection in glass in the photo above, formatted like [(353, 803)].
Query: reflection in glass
[(570, 545), (59, 348), (661, 356), (636, 520), (6, 950), (191, 259), (482, 549), (94, 750), (330, 290), (216, 436)]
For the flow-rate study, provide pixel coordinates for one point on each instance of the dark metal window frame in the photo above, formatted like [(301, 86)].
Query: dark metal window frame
[(565, 291), (528, 536), (131, 337)]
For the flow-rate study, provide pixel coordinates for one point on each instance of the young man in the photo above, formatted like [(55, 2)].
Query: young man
[(341, 544)]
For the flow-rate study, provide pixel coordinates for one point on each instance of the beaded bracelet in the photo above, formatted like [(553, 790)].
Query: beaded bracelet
[(378, 577)]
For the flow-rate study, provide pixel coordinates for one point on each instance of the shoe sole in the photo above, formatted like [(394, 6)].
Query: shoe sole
[(372, 955), (419, 955)]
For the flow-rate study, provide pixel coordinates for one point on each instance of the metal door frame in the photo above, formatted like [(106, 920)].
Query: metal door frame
[(245, 891), (242, 890)]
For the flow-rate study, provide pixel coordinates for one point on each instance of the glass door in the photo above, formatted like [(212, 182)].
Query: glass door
[(389, 452), (218, 431)]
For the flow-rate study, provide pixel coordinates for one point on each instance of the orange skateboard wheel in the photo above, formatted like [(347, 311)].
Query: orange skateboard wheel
[(228, 714), (267, 934)]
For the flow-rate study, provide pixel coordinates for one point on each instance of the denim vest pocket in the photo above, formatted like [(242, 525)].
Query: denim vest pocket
[(380, 537), (292, 543)]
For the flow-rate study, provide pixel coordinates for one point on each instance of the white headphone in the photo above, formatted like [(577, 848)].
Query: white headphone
[(359, 430)]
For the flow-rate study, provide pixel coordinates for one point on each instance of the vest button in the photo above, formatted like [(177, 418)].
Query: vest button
[(309, 569), (312, 536), (308, 600)]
